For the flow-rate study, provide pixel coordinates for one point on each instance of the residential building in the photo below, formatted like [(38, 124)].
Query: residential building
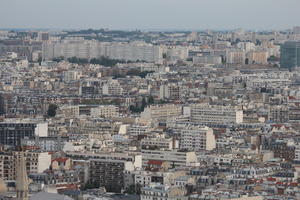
[(174, 157), (197, 138), (11, 133), (215, 114), (290, 54), (107, 111)]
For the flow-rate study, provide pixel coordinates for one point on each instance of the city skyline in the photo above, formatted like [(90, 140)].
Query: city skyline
[(150, 15), (148, 100)]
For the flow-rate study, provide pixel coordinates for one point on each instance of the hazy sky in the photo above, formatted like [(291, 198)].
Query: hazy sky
[(150, 14)]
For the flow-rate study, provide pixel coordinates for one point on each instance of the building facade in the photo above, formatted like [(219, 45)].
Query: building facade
[(290, 54)]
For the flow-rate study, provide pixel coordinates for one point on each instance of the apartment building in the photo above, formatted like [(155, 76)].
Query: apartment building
[(169, 91), (78, 47), (197, 138), (235, 56), (159, 143), (107, 111), (209, 59), (146, 178), (161, 112), (215, 114), (36, 162), (11, 133), (174, 157), (72, 75), (257, 57), (134, 158), (109, 173), (279, 113), (48, 144), (162, 192), (61, 179), (69, 111), (135, 130), (112, 87)]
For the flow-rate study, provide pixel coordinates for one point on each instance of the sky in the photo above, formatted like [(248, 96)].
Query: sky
[(150, 14)]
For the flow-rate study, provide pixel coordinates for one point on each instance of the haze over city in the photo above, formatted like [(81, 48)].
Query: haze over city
[(149, 100), (150, 14)]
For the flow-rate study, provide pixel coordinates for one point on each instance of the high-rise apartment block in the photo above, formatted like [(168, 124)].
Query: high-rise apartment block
[(290, 54)]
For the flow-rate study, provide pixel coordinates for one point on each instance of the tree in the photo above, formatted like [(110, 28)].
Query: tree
[(130, 189), (133, 72), (144, 104), (105, 61), (144, 73), (134, 109), (164, 55), (78, 60), (58, 59), (89, 186), (151, 100), (40, 59), (52, 110), (247, 61), (189, 59)]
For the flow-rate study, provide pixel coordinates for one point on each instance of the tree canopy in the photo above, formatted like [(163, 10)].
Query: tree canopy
[(52, 110)]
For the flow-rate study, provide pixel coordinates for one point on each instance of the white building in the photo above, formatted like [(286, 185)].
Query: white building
[(72, 75), (78, 47), (196, 138), (257, 57), (234, 56), (113, 87), (136, 130), (146, 178), (211, 114), (41, 129), (175, 158), (297, 152), (207, 60), (36, 162), (161, 112), (246, 46), (159, 143), (69, 110), (107, 111), (162, 192), (169, 91)]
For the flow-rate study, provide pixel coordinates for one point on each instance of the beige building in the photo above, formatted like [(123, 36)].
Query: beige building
[(215, 114), (235, 56), (36, 162), (61, 163), (197, 138), (69, 111), (163, 192), (107, 111), (161, 112), (159, 143), (174, 157), (134, 158), (257, 57)]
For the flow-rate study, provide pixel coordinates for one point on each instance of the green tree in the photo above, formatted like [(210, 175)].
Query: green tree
[(151, 100), (40, 59), (58, 59), (144, 73), (189, 59), (144, 104), (134, 109), (52, 110), (130, 189), (133, 72)]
